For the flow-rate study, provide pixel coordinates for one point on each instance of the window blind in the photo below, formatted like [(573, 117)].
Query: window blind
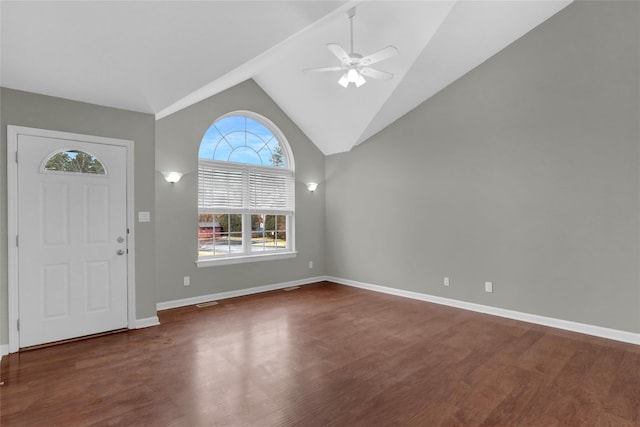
[(271, 192), (245, 189)]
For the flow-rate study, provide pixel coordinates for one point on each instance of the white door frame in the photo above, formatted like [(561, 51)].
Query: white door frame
[(12, 220)]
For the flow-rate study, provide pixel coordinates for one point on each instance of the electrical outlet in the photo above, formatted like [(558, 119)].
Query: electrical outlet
[(488, 286), (310, 264), (446, 281), (187, 280)]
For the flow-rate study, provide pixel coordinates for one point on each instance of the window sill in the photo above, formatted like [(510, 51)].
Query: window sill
[(244, 259)]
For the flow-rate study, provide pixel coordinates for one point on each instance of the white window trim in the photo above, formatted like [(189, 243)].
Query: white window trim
[(241, 259), (290, 251)]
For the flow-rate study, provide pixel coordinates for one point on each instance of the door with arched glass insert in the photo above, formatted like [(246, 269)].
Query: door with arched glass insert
[(72, 238)]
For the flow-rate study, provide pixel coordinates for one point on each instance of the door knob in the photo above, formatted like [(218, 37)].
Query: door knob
[(120, 252), (120, 239)]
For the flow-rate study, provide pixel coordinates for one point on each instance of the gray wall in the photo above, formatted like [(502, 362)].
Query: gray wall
[(45, 112), (177, 141), (524, 172)]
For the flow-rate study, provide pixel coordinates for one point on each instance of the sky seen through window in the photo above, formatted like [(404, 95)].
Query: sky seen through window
[(241, 139)]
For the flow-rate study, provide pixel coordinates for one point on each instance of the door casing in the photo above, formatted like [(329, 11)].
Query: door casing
[(12, 220)]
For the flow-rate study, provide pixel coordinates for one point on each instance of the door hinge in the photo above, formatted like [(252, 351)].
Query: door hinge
[(128, 231), (17, 241), (18, 324), (16, 157)]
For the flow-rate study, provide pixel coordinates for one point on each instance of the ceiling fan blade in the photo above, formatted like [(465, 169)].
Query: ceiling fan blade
[(322, 69), (381, 55), (339, 52), (376, 74)]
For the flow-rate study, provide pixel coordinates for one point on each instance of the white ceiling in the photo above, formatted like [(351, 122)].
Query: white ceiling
[(161, 56)]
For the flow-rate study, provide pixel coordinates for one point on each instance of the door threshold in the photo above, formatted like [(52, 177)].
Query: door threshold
[(82, 338)]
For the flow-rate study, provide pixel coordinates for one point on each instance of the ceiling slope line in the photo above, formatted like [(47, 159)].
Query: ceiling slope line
[(247, 70), (363, 135), (405, 25), (371, 131)]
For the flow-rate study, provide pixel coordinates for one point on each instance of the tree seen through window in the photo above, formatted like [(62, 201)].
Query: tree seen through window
[(75, 161)]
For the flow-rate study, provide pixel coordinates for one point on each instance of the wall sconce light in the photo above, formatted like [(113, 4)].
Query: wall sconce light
[(312, 186), (172, 177)]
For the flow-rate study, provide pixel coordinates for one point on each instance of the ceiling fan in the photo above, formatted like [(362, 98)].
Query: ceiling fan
[(354, 66)]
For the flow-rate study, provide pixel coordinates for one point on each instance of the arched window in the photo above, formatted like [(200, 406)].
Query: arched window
[(246, 187), (74, 161)]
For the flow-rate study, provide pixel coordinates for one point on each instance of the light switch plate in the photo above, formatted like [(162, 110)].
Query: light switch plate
[(144, 216)]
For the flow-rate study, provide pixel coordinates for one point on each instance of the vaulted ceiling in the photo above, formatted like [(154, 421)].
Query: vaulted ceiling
[(161, 56)]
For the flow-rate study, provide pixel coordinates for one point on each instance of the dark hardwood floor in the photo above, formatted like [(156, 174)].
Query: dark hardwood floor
[(326, 355)]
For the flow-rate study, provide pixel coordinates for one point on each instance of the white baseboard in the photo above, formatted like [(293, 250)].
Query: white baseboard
[(146, 323), (232, 294), (598, 331)]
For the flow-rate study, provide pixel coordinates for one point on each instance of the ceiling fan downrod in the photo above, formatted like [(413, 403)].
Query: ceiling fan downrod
[(351, 13)]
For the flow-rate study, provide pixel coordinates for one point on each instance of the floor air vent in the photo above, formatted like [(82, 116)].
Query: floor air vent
[(207, 304)]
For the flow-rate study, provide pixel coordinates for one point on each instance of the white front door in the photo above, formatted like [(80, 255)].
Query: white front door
[(72, 238)]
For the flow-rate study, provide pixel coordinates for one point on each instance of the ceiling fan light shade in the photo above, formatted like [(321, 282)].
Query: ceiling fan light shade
[(344, 81), (352, 75)]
